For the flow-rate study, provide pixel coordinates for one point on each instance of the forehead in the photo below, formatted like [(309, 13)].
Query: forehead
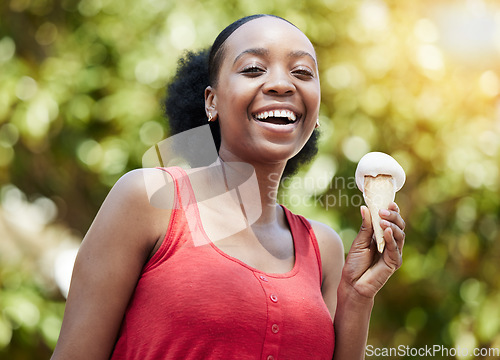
[(267, 32)]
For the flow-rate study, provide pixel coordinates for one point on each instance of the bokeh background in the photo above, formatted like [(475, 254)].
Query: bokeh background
[(81, 84)]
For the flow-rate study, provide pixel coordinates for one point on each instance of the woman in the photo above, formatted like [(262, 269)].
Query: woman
[(274, 288)]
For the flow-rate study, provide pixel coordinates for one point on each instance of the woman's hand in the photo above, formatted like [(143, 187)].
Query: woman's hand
[(366, 270)]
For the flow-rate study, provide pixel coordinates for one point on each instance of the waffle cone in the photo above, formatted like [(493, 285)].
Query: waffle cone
[(379, 192)]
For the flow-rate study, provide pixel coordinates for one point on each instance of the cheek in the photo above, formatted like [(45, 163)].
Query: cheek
[(313, 102), (316, 95), (233, 107), (237, 96), (312, 94)]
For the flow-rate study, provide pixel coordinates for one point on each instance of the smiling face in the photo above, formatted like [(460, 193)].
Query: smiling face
[(267, 94)]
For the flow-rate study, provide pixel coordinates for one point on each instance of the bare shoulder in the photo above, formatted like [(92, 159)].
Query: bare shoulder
[(328, 240), (330, 247), (109, 262), (332, 260), (140, 201), (149, 186)]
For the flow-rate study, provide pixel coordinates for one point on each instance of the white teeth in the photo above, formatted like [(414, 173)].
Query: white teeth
[(277, 113)]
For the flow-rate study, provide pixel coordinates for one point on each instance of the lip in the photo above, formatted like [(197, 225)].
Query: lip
[(277, 128)]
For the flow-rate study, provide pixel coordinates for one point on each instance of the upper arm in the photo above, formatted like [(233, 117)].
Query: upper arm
[(332, 260), (108, 266)]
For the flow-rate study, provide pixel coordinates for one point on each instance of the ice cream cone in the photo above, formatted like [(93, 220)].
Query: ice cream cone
[(379, 176), (379, 192)]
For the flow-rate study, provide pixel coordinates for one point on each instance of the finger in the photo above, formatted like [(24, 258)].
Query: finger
[(393, 206), (393, 255), (396, 232), (373, 245), (364, 238), (393, 217)]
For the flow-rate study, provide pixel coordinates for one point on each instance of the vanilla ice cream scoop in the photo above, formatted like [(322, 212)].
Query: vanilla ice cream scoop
[(379, 176)]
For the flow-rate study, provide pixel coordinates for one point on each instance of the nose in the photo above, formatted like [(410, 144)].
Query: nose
[(278, 82)]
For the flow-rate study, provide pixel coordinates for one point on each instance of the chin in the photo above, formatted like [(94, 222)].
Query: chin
[(275, 153)]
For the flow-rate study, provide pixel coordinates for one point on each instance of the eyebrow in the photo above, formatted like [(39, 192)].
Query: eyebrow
[(264, 51), (301, 53)]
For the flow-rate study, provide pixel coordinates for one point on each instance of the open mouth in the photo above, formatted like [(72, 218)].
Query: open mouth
[(278, 117)]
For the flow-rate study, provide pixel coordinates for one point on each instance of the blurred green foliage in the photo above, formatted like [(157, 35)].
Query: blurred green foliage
[(81, 84)]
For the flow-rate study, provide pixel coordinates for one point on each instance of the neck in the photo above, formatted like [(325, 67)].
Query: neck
[(250, 180)]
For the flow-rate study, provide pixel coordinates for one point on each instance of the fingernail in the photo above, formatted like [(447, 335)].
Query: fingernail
[(385, 223), (362, 213), (384, 212)]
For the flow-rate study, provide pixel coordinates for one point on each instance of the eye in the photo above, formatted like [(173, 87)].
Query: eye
[(303, 72), (253, 70)]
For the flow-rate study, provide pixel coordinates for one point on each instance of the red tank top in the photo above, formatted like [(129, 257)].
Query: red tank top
[(196, 302)]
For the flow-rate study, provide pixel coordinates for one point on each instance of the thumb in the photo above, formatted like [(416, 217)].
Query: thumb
[(365, 234)]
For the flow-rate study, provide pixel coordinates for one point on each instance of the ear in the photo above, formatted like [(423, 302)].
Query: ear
[(211, 102)]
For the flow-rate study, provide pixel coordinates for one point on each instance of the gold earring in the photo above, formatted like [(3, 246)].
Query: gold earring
[(210, 118), (317, 124)]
